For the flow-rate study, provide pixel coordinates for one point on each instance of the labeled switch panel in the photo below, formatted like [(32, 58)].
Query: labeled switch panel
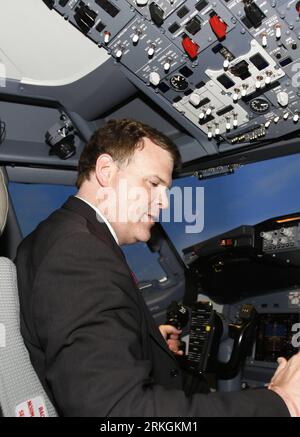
[(226, 70)]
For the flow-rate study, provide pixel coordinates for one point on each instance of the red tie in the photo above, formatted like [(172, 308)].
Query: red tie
[(134, 278)]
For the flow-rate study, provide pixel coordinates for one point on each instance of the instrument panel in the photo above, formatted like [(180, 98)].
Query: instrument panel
[(249, 260), (227, 69)]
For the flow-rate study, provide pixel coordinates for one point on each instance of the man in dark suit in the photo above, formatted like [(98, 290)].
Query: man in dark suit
[(91, 338)]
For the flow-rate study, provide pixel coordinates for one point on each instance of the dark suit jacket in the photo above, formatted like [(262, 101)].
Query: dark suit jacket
[(91, 338)]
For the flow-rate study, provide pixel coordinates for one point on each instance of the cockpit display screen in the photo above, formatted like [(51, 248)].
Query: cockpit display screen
[(275, 336)]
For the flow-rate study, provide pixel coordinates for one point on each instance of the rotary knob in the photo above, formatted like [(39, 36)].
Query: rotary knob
[(195, 99), (283, 99), (154, 78)]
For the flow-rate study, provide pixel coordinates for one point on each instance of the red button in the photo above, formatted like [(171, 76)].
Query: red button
[(190, 47), (218, 26)]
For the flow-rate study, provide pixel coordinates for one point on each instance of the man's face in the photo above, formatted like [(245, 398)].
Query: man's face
[(141, 188)]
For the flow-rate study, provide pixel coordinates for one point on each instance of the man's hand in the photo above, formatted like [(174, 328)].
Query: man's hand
[(172, 337), (286, 383)]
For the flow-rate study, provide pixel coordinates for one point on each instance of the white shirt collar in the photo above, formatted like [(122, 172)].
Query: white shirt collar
[(102, 218)]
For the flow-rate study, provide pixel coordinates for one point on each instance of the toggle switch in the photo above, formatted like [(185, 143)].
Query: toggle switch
[(106, 37), (258, 83), (226, 64), (235, 120), (236, 95), (264, 40), (151, 50), (268, 78), (195, 99), (219, 27), (244, 90), (278, 32), (136, 37), (167, 64), (190, 47), (119, 53), (267, 124), (228, 123)]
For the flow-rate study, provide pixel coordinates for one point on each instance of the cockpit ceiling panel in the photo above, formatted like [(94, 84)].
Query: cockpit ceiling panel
[(38, 48)]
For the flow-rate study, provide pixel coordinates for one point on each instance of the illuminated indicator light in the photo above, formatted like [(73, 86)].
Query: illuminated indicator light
[(287, 220), (228, 242)]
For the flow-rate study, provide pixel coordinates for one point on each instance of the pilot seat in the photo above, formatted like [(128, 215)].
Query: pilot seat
[(21, 393)]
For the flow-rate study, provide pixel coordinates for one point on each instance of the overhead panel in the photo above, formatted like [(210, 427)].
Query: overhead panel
[(226, 70)]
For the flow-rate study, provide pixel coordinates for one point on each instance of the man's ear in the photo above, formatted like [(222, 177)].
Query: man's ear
[(104, 169)]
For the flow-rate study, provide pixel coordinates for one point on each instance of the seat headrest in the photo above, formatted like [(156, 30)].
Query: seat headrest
[(3, 202)]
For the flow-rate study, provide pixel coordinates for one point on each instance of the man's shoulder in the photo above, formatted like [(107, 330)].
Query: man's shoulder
[(57, 227)]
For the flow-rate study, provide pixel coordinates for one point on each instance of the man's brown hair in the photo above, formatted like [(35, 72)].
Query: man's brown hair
[(120, 139)]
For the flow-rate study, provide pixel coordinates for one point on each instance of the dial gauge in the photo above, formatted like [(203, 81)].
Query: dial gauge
[(259, 106), (179, 82)]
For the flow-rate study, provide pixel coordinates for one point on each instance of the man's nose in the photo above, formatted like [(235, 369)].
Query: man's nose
[(164, 199)]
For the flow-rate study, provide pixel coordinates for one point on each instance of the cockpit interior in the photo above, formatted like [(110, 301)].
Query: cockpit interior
[(219, 78)]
